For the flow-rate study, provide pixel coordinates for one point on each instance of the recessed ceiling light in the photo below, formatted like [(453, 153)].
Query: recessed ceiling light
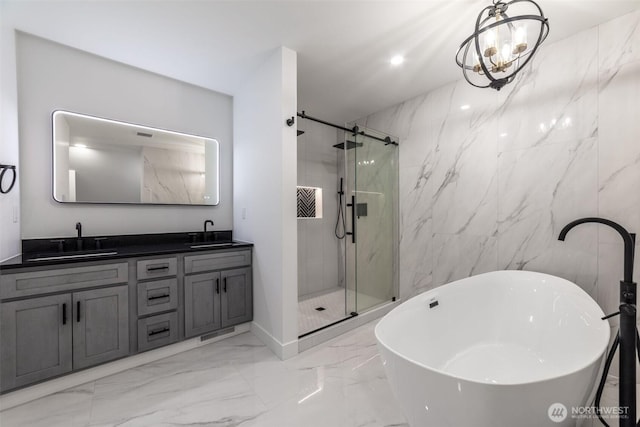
[(397, 60), (465, 107)]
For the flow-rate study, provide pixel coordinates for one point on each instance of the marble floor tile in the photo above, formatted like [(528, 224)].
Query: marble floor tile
[(68, 408), (234, 382), (238, 382)]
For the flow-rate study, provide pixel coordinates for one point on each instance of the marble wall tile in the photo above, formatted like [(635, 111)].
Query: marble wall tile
[(529, 116), (457, 256), (408, 122), (464, 166), (540, 190), (619, 151), (619, 42), (416, 230), (414, 282)]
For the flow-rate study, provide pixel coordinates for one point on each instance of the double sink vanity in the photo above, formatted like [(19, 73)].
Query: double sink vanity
[(63, 309)]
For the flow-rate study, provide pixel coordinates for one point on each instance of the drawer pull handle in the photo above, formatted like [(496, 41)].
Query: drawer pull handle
[(163, 267), (158, 297), (217, 286), (224, 287), (78, 311), (64, 314), (159, 331)]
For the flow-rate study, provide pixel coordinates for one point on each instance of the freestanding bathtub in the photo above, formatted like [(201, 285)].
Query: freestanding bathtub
[(499, 349)]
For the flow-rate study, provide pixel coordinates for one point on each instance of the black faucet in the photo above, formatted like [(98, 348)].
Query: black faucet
[(208, 221), (627, 337), (629, 241), (79, 239)]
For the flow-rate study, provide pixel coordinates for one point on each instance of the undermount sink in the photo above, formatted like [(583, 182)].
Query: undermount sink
[(71, 255)]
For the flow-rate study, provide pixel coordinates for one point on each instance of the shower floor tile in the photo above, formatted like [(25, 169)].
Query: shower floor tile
[(333, 307), (310, 318)]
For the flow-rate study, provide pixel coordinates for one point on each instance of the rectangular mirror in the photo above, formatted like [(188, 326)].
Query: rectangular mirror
[(97, 160)]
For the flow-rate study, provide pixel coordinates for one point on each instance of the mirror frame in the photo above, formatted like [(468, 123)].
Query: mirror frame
[(118, 122)]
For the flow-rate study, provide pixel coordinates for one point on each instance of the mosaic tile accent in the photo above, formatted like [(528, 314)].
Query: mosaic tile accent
[(307, 202)]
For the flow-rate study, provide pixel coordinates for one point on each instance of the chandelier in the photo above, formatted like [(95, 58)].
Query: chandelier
[(500, 45)]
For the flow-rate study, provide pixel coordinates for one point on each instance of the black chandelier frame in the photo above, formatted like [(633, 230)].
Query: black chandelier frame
[(501, 8)]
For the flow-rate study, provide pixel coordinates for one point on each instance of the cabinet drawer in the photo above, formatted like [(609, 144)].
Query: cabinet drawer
[(156, 268), (157, 296), (216, 261), (157, 331), (61, 279)]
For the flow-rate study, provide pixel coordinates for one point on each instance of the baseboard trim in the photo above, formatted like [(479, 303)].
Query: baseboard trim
[(284, 351), (28, 394)]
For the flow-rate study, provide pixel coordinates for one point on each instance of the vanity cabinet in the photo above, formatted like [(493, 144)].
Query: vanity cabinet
[(217, 299), (100, 319), (61, 318), (51, 335), (157, 302), (36, 340), (236, 298)]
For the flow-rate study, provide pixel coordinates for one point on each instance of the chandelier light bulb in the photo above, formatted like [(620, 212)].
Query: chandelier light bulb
[(490, 44), (520, 40), (506, 54)]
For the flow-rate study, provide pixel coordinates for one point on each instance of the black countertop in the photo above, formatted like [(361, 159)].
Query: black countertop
[(45, 252)]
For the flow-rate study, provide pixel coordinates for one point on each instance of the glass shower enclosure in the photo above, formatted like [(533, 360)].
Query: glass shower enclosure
[(371, 248), (366, 224)]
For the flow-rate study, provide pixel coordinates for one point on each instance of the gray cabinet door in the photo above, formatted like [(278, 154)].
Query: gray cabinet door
[(100, 326), (237, 296), (201, 303), (35, 340)]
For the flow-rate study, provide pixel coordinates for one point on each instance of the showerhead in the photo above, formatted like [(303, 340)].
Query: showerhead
[(350, 145)]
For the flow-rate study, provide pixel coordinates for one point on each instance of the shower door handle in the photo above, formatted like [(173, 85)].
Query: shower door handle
[(352, 233)]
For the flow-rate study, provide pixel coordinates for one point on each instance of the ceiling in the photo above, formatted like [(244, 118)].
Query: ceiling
[(343, 47)]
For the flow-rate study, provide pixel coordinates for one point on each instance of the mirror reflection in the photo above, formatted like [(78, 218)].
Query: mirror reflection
[(97, 160)]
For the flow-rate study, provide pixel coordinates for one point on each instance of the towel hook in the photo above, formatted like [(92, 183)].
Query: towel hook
[(5, 168)]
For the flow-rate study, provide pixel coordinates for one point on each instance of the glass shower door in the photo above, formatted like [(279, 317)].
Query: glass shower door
[(372, 252)]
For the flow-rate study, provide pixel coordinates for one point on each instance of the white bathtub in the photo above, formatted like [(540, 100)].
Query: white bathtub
[(497, 350)]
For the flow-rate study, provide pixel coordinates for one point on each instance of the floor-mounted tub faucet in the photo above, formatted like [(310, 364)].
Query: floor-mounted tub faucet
[(627, 337)]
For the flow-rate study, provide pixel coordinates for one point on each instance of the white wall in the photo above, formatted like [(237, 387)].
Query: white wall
[(52, 76), (265, 196), (9, 203)]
